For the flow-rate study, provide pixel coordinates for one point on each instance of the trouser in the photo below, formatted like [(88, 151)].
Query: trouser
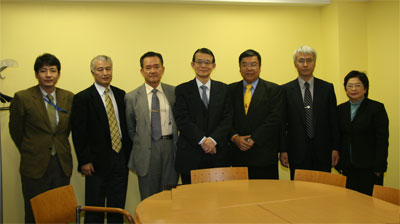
[(53, 177)]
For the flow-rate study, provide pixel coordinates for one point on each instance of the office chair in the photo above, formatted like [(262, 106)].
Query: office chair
[(219, 174), (388, 194), (59, 205), (320, 177)]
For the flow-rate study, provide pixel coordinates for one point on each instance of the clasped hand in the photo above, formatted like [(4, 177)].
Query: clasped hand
[(208, 146)]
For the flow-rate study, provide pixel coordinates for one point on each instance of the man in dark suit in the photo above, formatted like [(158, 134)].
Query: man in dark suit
[(101, 141), (258, 108), (152, 128), (39, 126), (203, 116), (311, 138)]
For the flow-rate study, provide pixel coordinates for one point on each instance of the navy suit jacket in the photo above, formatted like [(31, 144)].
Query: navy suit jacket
[(367, 134), (326, 137), (91, 132), (194, 122)]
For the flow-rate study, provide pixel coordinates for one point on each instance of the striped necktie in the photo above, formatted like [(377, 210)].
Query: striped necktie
[(112, 122)]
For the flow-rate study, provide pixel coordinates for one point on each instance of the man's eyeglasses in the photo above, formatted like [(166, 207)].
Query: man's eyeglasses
[(302, 60), (207, 63)]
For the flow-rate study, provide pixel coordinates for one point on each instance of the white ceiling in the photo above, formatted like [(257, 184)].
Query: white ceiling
[(250, 2)]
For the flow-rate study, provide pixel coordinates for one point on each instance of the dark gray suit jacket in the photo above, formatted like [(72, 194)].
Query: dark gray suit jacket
[(325, 123), (263, 122), (194, 122)]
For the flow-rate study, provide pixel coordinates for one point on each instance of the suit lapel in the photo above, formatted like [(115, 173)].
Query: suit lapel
[(317, 98), (362, 107), (142, 100), (98, 104), (195, 95), (258, 95), (40, 106), (295, 92), (61, 103)]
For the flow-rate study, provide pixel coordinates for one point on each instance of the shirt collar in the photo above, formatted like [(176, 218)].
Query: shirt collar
[(149, 88), (358, 103), (44, 93), (208, 83), (310, 81), (101, 89), (253, 84)]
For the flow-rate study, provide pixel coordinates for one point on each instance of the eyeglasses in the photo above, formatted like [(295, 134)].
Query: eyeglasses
[(356, 86), (252, 65), (206, 63), (302, 60)]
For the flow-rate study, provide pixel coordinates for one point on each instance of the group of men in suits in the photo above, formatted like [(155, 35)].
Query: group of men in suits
[(247, 123)]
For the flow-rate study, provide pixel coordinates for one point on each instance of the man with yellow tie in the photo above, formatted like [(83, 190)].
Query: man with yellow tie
[(101, 141), (258, 109)]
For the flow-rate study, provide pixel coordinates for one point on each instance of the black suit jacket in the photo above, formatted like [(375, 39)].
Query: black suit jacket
[(263, 122), (194, 122), (368, 135), (90, 129), (326, 137)]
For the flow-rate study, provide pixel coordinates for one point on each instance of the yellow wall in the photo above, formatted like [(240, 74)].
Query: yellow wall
[(345, 35)]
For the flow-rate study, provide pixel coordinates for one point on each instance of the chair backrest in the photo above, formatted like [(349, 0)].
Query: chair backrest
[(320, 177), (219, 174), (55, 206), (388, 194)]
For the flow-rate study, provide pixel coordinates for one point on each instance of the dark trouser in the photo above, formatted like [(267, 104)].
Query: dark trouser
[(111, 186), (362, 180), (265, 172), (54, 177), (311, 161)]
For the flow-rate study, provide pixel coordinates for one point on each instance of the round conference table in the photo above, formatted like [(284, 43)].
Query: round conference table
[(264, 201)]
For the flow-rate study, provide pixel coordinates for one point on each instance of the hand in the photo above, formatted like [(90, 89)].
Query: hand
[(335, 157), (208, 146), (244, 143), (87, 169), (284, 159)]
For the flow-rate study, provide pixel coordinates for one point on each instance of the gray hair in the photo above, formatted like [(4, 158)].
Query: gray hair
[(305, 50), (101, 58)]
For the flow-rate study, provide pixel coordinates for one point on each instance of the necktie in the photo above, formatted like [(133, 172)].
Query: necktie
[(155, 116), (112, 123), (308, 110), (51, 111), (204, 95), (247, 98)]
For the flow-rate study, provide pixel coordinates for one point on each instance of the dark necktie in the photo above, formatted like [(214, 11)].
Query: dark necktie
[(51, 111), (308, 111), (204, 95), (155, 116)]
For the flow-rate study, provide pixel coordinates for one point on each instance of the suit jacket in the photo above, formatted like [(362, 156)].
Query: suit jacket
[(31, 131), (91, 132), (139, 126), (367, 134), (326, 137), (263, 122), (195, 121)]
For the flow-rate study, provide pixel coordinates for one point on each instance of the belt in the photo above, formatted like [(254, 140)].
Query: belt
[(165, 137)]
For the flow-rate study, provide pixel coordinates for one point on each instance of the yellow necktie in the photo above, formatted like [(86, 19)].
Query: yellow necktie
[(247, 98), (112, 122)]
